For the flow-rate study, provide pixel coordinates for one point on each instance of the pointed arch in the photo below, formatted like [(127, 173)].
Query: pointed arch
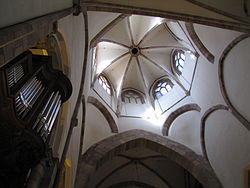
[(126, 9), (131, 183), (106, 84), (62, 48), (219, 11), (105, 112), (82, 131), (223, 89), (202, 129), (110, 147), (175, 114), (132, 95), (161, 87), (196, 40)]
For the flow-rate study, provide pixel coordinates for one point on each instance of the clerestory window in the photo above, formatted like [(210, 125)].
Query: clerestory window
[(104, 83), (162, 87), (179, 61), (132, 96)]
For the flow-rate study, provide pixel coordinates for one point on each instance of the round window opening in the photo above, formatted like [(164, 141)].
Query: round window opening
[(135, 51)]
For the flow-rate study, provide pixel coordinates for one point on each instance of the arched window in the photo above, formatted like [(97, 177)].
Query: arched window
[(132, 96), (104, 83), (162, 87), (179, 61)]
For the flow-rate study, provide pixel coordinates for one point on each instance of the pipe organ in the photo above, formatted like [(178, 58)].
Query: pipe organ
[(31, 94)]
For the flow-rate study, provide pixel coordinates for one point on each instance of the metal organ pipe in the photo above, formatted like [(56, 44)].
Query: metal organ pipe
[(31, 103), (28, 85), (27, 96), (55, 115), (41, 117), (54, 110), (47, 117), (15, 74)]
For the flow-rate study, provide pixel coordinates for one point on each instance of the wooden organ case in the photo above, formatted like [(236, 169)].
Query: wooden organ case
[(31, 94)]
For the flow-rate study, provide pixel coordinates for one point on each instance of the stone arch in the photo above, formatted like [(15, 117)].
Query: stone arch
[(223, 90), (105, 112), (175, 114), (55, 46), (108, 148), (131, 183), (195, 38), (217, 10), (202, 125), (138, 161), (62, 47), (125, 9), (83, 102)]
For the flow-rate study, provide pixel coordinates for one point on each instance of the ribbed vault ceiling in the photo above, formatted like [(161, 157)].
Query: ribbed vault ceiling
[(136, 52)]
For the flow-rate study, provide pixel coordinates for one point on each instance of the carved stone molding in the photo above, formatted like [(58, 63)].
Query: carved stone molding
[(110, 147), (132, 184), (109, 7), (105, 112), (175, 114), (223, 90), (196, 40), (202, 126), (214, 9)]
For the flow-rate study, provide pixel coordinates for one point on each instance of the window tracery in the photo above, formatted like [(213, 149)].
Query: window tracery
[(132, 96), (179, 61), (162, 87), (104, 83)]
